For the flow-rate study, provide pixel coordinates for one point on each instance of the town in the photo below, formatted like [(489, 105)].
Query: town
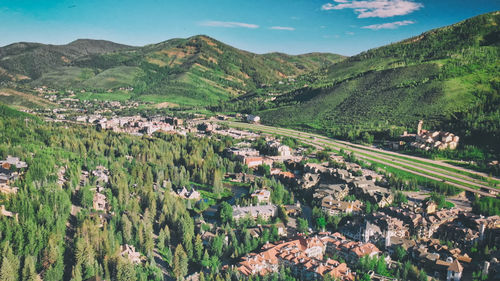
[(319, 214)]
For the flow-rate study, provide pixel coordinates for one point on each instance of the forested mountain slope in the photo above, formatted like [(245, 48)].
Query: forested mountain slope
[(57, 235), (448, 76), (29, 61), (196, 70)]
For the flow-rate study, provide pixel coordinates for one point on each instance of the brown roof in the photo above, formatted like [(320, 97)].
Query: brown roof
[(455, 266)]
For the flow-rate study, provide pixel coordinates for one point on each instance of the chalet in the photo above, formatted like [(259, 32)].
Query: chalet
[(191, 194)]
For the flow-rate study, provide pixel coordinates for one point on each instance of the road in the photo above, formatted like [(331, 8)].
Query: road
[(430, 169)]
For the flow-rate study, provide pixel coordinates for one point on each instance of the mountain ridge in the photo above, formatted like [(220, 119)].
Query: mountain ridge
[(446, 76), (197, 70)]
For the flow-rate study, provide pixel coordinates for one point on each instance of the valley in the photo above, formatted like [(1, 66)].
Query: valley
[(193, 160)]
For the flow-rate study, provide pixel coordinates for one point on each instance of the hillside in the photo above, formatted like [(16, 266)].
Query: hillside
[(448, 76), (29, 61), (197, 70)]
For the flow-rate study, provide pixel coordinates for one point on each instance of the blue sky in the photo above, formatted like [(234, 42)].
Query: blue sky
[(292, 26)]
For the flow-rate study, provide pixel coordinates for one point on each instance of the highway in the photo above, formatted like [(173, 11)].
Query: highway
[(431, 169)]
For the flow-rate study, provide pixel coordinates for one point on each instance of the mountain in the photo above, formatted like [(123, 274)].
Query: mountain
[(29, 61), (196, 70), (449, 77)]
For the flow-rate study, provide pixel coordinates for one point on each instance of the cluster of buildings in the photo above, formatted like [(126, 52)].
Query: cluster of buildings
[(191, 194), (252, 157), (101, 175), (254, 211), (419, 230), (10, 169), (427, 140), (330, 186), (136, 125), (308, 257)]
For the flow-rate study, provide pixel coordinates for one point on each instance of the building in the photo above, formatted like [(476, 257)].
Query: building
[(99, 203), (253, 118), (333, 207), (454, 272), (336, 191), (262, 195), (264, 211), (427, 140), (13, 161), (191, 194), (253, 161), (129, 252), (304, 256), (174, 121), (6, 213), (293, 210), (278, 148)]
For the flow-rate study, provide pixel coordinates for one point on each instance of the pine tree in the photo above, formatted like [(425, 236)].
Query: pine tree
[(125, 270), (10, 265), (29, 270), (180, 263), (198, 247)]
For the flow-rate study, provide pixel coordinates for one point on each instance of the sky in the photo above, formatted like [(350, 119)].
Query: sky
[(344, 27)]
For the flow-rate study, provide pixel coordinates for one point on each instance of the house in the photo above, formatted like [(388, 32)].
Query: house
[(293, 210), (278, 148), (191, 194), (99, 203), (254, 161), (6, 213), (101, 173), (349, 250), (129, 252), (308, 180), (9, 169), (454, 272), (335, 207), (13, 161), (262, 195), (264, 211), (4, 188), (253, 118), (376, 194), (242, 151), (336, 191), (314, 168)]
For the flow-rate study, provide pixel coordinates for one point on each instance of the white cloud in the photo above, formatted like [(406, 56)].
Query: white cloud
[(282, 28), (349, 33), (389, 25), (375, 8), (230, 24)]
